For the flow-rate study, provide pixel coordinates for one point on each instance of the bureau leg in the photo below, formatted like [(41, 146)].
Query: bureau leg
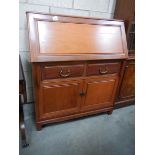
[(110, 112), (38, 126)]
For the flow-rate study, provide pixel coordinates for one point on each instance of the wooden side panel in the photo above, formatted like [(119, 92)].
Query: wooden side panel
[(59, 98), (100, 92), (71, 38), (128, 83)]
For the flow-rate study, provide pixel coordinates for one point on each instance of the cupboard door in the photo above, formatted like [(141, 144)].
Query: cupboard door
[(100, 92), (59, 98), (128, 84)]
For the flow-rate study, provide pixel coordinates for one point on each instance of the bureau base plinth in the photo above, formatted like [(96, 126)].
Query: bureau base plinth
[(41, 124)]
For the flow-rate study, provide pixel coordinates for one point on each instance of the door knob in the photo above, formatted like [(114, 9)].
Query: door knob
[(82, 93)]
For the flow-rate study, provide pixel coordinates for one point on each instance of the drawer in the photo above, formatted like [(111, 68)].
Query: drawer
[(65, 71), (102, 68)]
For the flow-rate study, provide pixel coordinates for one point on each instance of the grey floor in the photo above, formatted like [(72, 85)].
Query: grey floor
[(96, 135)]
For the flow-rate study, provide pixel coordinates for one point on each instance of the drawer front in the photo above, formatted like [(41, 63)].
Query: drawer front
[(66, 71), (103, 68)]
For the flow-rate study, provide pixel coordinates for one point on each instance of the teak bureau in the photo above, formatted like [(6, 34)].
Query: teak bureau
[(77, 63)]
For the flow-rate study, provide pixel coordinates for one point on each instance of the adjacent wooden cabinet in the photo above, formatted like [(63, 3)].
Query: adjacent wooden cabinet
[(77, 65), (128, 83), (125, 10)]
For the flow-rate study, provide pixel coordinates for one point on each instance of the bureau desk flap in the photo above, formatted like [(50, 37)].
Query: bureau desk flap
[(66, 38)]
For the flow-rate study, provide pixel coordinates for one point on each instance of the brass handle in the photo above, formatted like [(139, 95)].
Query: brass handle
[(101, 71), (65, 74)]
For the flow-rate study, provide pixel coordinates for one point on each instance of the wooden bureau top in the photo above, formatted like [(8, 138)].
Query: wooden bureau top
[(66, 38)]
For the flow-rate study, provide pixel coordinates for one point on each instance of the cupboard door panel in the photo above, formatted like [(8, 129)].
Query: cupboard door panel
[(128, 83), (60, 98), (100, 92), (81, 38)]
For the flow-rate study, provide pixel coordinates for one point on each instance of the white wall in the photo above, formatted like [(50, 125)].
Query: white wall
[(89, 8)]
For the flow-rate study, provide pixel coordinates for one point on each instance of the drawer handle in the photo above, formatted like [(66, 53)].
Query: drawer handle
[(66, 74), (103, 71)]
